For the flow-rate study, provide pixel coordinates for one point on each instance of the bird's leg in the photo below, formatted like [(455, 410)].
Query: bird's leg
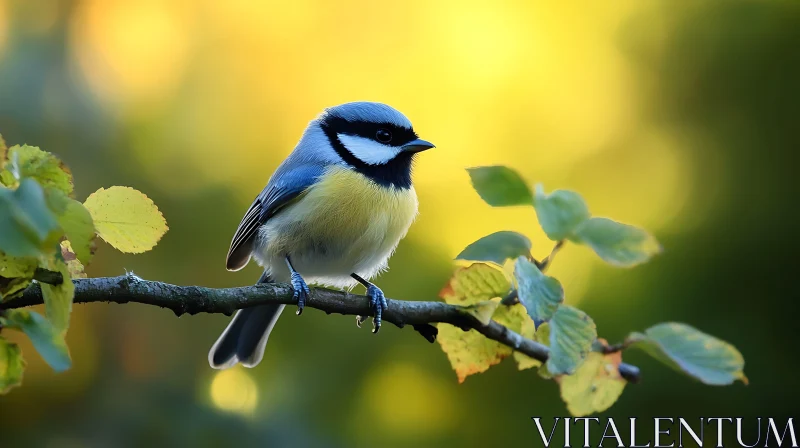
[(301, 291), (376, 300)]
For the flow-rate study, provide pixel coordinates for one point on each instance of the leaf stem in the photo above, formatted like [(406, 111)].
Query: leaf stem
[(618, 347), (546, 262)]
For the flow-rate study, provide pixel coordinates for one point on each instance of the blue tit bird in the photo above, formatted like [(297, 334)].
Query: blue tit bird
[(332, 214)]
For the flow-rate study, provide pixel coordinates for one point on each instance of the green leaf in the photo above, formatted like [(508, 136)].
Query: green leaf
[(497, 248), (474, 284), (571, 335), (541, 295), (616, 243), (58, 298), (27, 226), (15, 274), (595, 386), (3, 152), (559, 212), (500, 186), (126, 219), (11, 366), (44, 167), (76, 221), (46, 340), (692, 352), (79, 229)]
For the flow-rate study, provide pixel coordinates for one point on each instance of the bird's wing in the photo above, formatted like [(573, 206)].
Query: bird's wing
[(284, 187)]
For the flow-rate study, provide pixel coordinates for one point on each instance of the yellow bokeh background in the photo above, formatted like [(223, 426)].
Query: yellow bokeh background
[(222, 90)]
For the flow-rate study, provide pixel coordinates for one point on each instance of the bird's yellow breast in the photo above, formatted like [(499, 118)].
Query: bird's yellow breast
[(345, 202), (342, 224)]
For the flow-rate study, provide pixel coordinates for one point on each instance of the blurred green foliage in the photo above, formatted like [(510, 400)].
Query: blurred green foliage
[(39, 228)]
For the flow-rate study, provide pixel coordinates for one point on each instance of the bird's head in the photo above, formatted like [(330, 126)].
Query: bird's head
[(374, 139)]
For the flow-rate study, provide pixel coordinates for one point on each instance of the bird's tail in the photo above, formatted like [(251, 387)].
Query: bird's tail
[(246, 336)]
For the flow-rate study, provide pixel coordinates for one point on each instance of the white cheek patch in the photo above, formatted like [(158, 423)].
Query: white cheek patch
[(367, 150)]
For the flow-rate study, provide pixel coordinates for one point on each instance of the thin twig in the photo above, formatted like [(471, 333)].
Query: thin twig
[(198, 299), (549, 259), (618, 347)]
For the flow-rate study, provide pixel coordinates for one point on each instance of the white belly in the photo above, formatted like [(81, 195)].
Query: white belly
[(344, 224)]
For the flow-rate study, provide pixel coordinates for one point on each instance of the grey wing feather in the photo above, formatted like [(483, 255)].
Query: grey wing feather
[(242, 244), (286, 184)]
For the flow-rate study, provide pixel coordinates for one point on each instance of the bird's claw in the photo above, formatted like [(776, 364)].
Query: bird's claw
[(377, 301), (301, 292)]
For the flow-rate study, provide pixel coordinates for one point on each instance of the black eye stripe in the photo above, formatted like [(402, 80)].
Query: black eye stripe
[(400, 135), (396, 173)]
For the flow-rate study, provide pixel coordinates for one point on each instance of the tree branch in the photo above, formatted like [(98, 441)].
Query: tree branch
[(197, 299), (46, 276)]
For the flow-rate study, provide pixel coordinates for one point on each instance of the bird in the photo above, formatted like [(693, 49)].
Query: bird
[(332, 214)]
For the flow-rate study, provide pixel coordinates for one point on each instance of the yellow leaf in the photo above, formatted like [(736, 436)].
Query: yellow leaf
[(15, 274), (126, 219), (473, 287), (482, 311), (58, 298), (511, 317), (542, 336), (12, 267), (516, 318), (474, 284), (479, 288), (595, 386), (527, 330), (469, 352), (11, 366), (3, 152), (42, 166), (74, 265)]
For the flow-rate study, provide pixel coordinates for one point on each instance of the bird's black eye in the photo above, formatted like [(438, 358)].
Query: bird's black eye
[(383, 135)]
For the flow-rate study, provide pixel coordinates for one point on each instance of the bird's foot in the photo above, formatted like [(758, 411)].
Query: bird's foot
[(377, 301), (301, 291)]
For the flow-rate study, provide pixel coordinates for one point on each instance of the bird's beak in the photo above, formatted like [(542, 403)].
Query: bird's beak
[(417, 146)]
